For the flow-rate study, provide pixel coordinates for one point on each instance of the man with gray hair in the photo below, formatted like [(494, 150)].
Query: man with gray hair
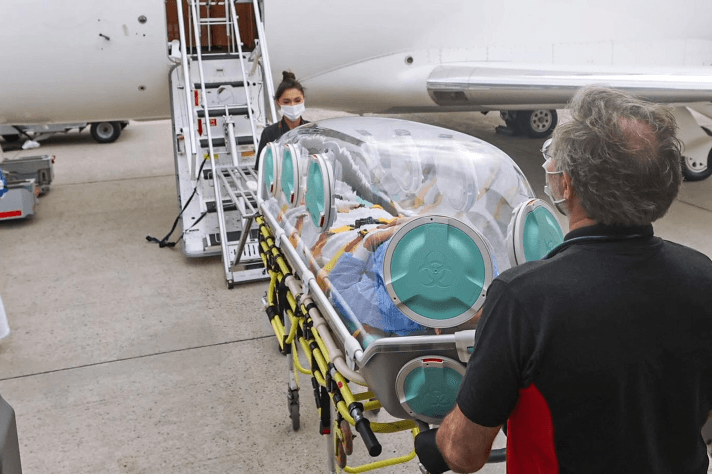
[(598, 358)]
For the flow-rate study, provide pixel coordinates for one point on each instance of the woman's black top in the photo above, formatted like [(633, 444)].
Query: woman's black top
[(272, 133)]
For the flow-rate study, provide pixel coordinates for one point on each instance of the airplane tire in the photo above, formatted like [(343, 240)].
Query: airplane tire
[(693, 170), (105, 132), (537, 123)]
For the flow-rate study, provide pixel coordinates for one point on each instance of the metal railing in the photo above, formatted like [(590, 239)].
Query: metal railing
[(229, 180)]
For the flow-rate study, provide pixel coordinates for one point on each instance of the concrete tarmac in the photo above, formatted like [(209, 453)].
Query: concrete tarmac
[(127, 358)]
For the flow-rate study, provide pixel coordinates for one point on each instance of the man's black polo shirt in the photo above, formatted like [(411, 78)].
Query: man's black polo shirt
[(599, 357)]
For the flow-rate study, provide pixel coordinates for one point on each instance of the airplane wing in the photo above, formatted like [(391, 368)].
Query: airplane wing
[(503, 86)]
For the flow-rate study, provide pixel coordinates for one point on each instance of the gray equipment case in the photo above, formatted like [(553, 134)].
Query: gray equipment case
[(20, 201), (38, 168)]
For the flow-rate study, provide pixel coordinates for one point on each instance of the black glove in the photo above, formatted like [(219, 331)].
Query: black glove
[(429, 454)]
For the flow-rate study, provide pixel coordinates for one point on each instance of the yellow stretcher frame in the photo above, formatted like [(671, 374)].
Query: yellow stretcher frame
[(302, 334)]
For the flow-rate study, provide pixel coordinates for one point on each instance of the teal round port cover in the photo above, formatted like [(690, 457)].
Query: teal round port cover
[(541, 234), (268, 168), (288, 175), (437, 271), (315, 196), (432, 391)]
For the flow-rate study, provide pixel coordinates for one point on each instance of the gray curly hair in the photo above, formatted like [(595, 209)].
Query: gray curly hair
[(622, 155)]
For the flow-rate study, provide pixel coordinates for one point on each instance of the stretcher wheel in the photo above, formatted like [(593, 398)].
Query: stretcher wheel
[(340, 455), (293, 406), (348, 440)]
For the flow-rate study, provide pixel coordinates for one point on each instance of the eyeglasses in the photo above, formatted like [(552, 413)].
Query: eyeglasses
[(547, 157), (545, 148)]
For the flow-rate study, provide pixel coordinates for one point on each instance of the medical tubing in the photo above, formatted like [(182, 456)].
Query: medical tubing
[(363, 426)]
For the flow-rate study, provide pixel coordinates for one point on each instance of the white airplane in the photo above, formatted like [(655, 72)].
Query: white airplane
[(102, 61)]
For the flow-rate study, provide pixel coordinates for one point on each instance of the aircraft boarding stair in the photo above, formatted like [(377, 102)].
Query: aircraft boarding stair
[(220, 101)]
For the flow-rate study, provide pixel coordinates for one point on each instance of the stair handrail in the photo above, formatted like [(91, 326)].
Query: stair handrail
[(238, 39), (216, 180), (265, 60), (187, 86)]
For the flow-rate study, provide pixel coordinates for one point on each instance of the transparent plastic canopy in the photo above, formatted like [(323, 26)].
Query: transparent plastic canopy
[(404, 224)]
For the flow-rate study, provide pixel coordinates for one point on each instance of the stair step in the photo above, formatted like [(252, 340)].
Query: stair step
[(208, 174), (232, 237), (214, 21), (215, 85), (215, 56), (220, 111), (220, 141), (228, 205)]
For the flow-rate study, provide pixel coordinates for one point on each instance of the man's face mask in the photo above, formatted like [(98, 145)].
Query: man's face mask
[(292, 112), (559, 203)]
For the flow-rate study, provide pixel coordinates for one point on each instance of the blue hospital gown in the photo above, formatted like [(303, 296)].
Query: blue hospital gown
[(361, 286)]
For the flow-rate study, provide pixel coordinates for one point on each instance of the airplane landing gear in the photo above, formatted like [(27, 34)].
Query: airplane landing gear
[(538, 123), (697, 146), (696, 170), (106, 132)]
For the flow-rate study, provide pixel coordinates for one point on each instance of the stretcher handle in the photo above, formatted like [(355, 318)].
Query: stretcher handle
[(498, 455), (363, 426)]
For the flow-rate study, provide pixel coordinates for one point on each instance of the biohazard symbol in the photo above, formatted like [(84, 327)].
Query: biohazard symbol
[(434, 272), (550, 243), (441, 402)]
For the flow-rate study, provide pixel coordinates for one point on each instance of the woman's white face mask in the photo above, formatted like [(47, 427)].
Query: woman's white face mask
[(292, 112)]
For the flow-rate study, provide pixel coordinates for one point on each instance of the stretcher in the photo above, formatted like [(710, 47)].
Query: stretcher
[(381, 237)]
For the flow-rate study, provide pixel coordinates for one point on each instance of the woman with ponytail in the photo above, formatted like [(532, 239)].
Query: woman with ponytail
[(289, 97)]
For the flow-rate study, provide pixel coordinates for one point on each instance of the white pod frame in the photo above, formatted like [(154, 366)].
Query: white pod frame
[(273, 186), (296, 195), (424, 362), (478, 239), (515, 229), (326, 217)]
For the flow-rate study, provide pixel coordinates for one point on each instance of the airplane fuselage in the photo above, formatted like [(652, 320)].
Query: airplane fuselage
[(83, 61), (98, 60)]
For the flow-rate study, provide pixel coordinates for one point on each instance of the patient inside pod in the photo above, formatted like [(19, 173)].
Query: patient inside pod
[(404, 224)]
